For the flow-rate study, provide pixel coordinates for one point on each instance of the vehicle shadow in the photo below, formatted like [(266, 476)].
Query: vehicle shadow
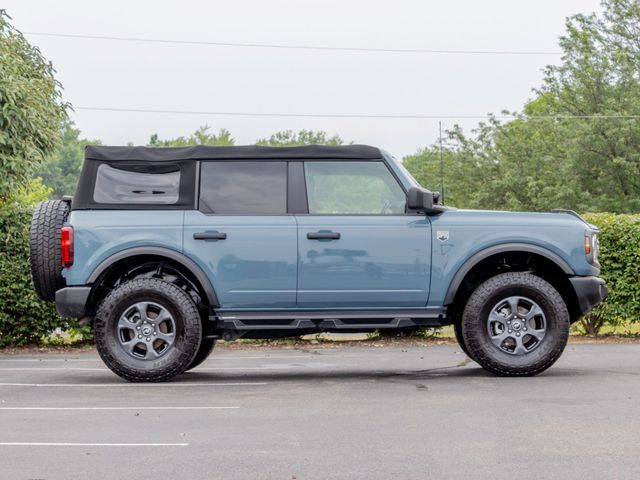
[(442, 374)]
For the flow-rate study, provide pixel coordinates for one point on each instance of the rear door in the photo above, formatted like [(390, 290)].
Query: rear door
[(241, 234), (357, 246)]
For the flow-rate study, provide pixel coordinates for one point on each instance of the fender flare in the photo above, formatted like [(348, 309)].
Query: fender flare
[(505, 247), (174, 255)]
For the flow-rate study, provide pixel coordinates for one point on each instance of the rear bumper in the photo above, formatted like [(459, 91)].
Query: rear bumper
[(72, 301), (590, 291)]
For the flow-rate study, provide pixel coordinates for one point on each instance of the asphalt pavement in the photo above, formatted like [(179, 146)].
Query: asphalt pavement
[(420, 412)]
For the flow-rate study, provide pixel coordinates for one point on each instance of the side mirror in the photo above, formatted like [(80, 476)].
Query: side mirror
[(419, 198)]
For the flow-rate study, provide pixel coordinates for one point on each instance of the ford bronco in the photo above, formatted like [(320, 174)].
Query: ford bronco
[(165, 250)]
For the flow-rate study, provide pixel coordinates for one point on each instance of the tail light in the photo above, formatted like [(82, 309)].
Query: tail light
[(66, 244)]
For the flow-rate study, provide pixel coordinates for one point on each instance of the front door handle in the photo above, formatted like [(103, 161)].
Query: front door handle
[(323, 236), (210, 236)]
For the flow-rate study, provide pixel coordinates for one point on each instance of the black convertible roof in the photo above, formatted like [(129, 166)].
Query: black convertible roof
[(205, 152)]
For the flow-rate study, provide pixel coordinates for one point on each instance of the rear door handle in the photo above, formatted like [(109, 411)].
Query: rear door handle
[(323, 236), (210, 236)]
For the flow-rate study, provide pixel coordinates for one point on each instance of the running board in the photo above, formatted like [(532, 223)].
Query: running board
[(335, 320)]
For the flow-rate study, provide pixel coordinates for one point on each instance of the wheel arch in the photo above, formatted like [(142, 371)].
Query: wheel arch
[(510, 257), (159, 252)]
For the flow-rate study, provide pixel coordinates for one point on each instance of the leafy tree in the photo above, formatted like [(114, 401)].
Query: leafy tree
[(289, 138), (571, 146), (61, 170), (31, 110), (199, 137), (30, 117), (463, 171)]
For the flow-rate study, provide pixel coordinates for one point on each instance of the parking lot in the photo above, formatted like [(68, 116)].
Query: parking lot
[(358, 412)]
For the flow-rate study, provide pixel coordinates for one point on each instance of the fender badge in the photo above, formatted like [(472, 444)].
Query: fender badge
[(442, 235)]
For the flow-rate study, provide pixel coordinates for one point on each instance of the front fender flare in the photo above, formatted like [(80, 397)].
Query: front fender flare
[(502, 248)]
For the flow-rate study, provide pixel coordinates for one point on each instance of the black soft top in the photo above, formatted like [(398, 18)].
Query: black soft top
[(205, 152)]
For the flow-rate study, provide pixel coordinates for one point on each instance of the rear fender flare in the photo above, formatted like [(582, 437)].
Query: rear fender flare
[(174, 255)]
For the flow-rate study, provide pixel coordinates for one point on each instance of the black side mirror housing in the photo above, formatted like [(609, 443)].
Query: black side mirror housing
[(421, 199)]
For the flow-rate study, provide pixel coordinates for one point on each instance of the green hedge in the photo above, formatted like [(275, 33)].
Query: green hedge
[(23, 318), (620, 260)]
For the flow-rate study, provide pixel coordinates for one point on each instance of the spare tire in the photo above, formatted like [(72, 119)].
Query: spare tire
[(44, 244)]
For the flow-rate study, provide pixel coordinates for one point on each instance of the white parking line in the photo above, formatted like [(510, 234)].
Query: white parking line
[(270, 367), (48, 369), (117, 385), (83, 369), (66, 444), (47, 409), (213, 359)]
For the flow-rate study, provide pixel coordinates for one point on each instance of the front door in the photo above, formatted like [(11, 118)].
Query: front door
[(357, 246), (242, 237)]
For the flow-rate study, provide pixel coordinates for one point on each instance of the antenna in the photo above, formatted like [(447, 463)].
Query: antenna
[(441, 162)]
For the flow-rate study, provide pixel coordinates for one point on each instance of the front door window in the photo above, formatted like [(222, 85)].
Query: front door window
[(352, 188)]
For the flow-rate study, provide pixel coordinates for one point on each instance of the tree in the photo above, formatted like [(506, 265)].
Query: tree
[(463, 172), (288, 138), (31, 113), (31, 110), (199, 137), (577, 144), (61, 170)]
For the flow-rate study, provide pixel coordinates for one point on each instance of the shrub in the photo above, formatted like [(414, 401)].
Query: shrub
[(23, 318), (620, 260)]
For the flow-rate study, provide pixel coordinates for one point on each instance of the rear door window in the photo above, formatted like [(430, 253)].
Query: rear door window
[(243, 187)]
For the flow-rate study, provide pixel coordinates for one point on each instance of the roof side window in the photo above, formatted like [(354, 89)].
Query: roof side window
[(118, 186), (243, 187)]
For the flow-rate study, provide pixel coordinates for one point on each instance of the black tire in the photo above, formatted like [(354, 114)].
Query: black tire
[(498, 359), (175, 358), (457, 328), (45, 253), (206, 347)]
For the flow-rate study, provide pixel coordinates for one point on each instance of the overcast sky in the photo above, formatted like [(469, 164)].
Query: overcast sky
[(116, 74)]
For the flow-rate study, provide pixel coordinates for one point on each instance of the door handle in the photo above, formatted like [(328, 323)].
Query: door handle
[(210, 236), (323, 236)]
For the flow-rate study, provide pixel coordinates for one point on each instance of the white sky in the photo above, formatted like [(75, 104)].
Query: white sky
[(115, 74)]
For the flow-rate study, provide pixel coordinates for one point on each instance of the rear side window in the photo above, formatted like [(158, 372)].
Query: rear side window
[(117, 186), (243, 187)]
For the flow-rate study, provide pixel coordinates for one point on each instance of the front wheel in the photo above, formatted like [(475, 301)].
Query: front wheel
[(515, 324), (148, 330)]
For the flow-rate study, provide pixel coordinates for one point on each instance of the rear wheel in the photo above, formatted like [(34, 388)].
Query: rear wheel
[(515, 324), (45, 252), (148, 330), (206, 347)]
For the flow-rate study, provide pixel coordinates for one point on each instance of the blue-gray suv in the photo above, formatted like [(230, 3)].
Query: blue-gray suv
[(165, 250)]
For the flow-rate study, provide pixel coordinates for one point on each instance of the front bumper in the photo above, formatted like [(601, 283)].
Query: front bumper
[(72, 301), (590, 291)]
